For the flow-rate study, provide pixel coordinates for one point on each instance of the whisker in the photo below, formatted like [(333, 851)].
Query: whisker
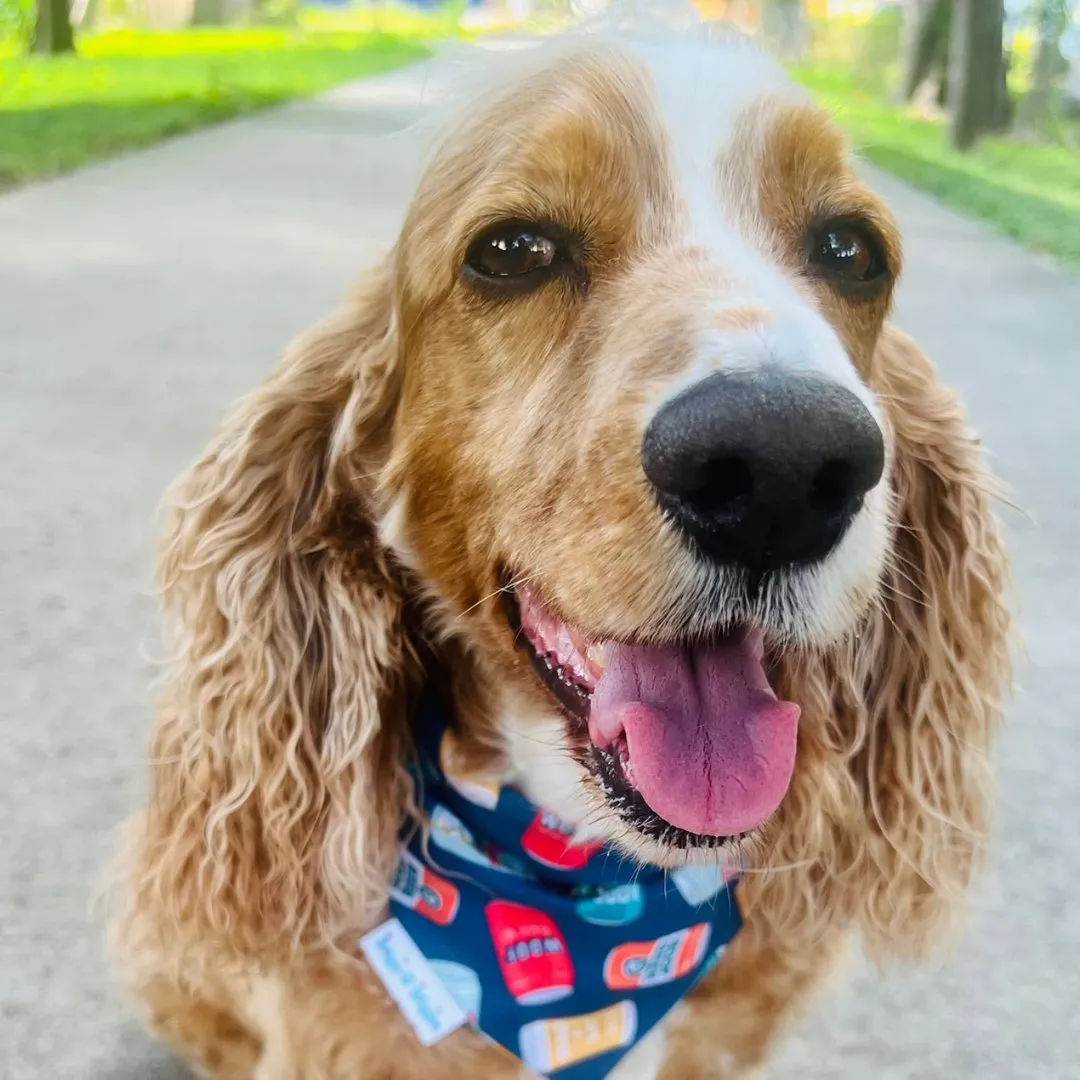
[(509, 587)]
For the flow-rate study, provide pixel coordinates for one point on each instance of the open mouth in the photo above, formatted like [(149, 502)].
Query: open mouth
[(689, 742)]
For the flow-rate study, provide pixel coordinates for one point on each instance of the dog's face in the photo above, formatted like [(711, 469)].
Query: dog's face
[(635, 457)]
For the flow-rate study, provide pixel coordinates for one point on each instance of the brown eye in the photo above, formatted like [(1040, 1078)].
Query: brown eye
[(850, 253), (516, 257), (513, 254)]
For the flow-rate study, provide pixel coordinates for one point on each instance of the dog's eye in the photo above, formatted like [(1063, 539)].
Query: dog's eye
[(516, 256), (510, 254), (850, 252)]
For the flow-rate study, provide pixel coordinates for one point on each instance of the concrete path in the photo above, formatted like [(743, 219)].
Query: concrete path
[(138, 297)]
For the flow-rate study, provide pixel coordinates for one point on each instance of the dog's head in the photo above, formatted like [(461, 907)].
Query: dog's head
[(636, 455), (620, 412)]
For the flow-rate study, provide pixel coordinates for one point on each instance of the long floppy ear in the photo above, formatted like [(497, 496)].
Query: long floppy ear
[(934, 663), (275, 782)]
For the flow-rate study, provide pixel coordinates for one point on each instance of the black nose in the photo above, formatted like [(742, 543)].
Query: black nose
[(764, 469)]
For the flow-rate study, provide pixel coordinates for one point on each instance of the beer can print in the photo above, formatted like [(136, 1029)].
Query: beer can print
[(424, 891), (550, 1045), (549, 841), (462, 984), (452, 835), (532, 952), (698, 885), (637, 964), (617, 906), (477, 792)]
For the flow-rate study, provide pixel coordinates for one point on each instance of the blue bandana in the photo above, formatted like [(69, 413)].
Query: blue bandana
[(566, 955)]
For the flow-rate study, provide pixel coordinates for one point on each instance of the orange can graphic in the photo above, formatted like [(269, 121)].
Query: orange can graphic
[(550, 841), (424, 891), (651, 963), (533, 956), (549, 1045)]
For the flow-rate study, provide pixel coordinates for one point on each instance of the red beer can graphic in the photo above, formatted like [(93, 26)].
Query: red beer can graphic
[(532, 953), (550, 841), (639, 964), (424, 891)]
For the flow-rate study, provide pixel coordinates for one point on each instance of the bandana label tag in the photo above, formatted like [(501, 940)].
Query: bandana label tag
[(412, 982)]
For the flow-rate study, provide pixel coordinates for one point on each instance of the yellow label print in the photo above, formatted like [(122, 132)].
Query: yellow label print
[(555, 1044)]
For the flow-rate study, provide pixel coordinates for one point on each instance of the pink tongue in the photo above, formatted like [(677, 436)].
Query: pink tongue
[(711, 748)]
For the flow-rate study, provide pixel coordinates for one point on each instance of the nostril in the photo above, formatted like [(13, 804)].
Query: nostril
[(832, 487), (727, 484)]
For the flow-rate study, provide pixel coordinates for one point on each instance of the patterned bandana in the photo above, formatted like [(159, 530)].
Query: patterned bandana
[(564, 954)]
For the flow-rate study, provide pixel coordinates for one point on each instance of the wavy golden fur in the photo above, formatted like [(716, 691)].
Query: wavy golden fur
[(343, 534)]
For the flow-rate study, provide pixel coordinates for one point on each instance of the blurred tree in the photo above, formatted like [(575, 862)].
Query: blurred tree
[(52, 30), (783, 25), (1051, 19), (17, 19), (978, 97), (926, 46), (208, 13), (84, 13)]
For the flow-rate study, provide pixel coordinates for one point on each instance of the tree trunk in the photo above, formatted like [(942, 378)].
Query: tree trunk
[(208, 13), (926, 41), (1052, 20), (52, 31), (977, 71), (784, 29)]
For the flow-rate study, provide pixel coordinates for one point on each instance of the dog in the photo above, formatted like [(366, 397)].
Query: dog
[(616, 469)]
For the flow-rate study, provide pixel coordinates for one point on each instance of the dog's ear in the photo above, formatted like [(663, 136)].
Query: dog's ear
[(277, 781), (890, 804), (934, 664)]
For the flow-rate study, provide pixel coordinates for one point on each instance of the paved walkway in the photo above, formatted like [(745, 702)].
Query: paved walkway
[(138, 297)]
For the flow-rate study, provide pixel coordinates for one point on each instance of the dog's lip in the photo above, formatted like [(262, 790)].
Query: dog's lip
[(598, 635), (768, 646), (572, 698)]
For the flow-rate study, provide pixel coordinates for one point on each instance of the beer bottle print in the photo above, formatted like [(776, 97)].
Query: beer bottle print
[(550, 1045)]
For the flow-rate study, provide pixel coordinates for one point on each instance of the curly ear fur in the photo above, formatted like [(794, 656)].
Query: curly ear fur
[(275, 795), (890, 807), (937, 663)]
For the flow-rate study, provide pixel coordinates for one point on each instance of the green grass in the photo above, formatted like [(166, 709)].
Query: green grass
[(127, 89), (1029, 192)]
